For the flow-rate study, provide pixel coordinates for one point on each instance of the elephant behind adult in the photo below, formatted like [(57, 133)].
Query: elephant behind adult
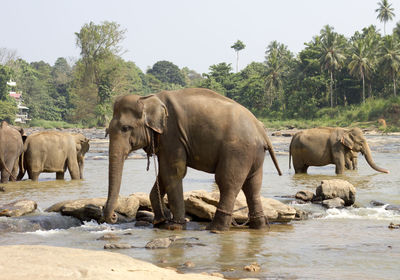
[(54, 151), (327, 145), (195, 128), (11, 147)]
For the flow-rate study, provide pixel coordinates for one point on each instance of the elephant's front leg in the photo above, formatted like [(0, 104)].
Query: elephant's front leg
[(339, 162), (170, 182)]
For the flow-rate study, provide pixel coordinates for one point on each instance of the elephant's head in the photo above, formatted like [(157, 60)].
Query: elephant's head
[(135, 120), (354, 140), (82, 147)]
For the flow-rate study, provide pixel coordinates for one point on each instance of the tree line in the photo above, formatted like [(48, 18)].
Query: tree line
[(330, 71)]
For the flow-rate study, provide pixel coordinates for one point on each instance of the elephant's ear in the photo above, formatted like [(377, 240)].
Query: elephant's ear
[(155, 113), (347, 140)]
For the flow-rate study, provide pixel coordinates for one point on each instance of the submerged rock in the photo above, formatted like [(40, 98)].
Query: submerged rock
[(393, 207), (117, 246), (161, 243), (18, 208), (254, 267), (336, 188)]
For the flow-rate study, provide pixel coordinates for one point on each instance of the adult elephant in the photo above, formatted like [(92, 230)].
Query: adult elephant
[(53, 151), (11, 147), (195, 128), (326, 145)]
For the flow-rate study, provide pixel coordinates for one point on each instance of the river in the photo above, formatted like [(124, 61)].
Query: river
[(352, 243)]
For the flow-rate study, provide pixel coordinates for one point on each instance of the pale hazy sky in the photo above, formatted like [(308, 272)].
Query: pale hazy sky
[(188, 33)]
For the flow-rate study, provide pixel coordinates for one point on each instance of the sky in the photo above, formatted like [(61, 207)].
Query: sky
[(189, 33)]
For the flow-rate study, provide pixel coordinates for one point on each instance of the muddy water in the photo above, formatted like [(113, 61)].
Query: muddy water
[(353, 243)]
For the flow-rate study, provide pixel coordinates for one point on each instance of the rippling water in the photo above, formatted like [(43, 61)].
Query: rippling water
[(352, 243)]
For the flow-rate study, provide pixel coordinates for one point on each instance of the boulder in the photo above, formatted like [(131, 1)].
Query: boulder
[(305, 195), (336, 188), (202, 205), (18, 208), (336, 202), (92, 208), (144, 200), (393, 207)]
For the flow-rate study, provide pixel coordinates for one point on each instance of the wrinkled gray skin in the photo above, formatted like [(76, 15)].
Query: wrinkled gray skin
[(53, 151), (326, 145), (350, 159), (195, 128), (11, 147)]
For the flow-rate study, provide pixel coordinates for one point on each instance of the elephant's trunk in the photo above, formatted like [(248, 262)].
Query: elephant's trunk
[(115, 167), (367, 154)]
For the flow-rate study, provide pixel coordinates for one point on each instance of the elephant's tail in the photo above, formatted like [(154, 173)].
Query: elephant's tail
[(22, 168), (5, 168)]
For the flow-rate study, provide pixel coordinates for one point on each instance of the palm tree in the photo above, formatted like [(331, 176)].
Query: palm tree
[(361, 63), (238, 46), (332, 54), (277, 61), (390, 58), (385, 13)]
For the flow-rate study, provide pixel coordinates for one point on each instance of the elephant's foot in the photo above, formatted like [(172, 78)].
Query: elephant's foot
[(257, 222), (221, 222), (170, 225)]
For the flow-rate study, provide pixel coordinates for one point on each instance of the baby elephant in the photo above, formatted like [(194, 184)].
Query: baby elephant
[(53, 151)]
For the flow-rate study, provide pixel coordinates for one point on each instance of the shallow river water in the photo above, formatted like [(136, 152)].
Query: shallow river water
[(352, 243)]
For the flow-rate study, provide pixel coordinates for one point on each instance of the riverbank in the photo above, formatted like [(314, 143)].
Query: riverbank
[(48, 262)]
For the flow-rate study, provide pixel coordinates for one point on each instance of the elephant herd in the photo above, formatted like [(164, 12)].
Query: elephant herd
[(195, 128), (47, 151)]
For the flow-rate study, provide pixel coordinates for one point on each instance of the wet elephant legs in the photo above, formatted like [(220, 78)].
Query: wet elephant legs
[(230, 177), (251, 189)]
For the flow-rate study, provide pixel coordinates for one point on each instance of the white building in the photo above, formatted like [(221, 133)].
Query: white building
[(22, 114)]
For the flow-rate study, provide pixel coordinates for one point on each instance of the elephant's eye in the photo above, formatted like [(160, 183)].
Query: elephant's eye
[(126, 128)]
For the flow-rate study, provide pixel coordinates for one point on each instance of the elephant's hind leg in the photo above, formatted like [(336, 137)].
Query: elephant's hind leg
[(251, 189), (229, 176)]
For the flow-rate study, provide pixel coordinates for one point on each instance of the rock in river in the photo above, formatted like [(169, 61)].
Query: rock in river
[(18, 208), (337, 188), (202, 205), (88, 209)]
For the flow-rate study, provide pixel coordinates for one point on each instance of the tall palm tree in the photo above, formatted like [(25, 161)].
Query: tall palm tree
[(385, 13), (390, 58), (361, 64), (277, 62), (332, 55), (238, 46)]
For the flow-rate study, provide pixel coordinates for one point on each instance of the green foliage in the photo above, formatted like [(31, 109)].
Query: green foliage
[(167, 72), (5, 74), (8, 109), (51, 124)]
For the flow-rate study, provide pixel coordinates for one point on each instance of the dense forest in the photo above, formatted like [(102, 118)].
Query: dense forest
[(333, 77)]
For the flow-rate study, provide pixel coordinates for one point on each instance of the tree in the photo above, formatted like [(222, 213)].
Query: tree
[(332, 54), (238, 46), (390, 58), (167, 72), (278, 63), (361, 64), (385, 13), (100, 50), (219, 78)]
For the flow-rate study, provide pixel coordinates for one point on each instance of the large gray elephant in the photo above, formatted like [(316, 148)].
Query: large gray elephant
[(195, 128), (54, 151), (11, 147), (327, 145)]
